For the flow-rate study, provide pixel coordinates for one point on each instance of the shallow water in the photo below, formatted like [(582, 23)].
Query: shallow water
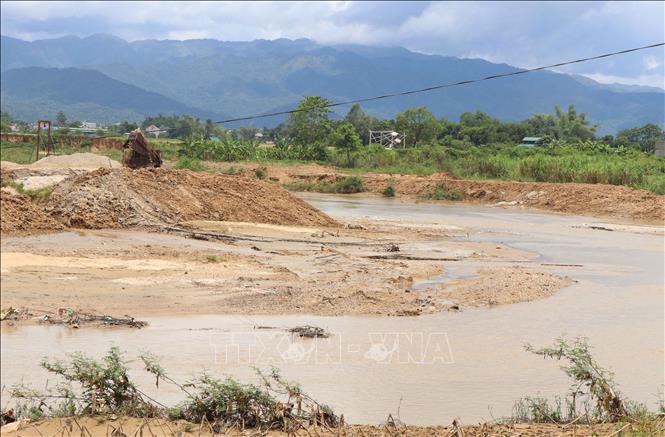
[(430, 368)]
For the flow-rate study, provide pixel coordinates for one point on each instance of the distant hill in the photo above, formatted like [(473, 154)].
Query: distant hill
[(242, 78), (34, 92)]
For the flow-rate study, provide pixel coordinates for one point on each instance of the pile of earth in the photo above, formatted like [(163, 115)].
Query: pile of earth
[(76, 160), (118, 198), (21, 216)]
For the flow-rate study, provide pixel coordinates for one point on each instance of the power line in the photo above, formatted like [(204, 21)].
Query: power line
[(448, 85)]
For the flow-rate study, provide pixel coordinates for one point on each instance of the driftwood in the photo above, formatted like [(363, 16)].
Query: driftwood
[(207, 235), (69, 317), (310, 331), (138, 153)]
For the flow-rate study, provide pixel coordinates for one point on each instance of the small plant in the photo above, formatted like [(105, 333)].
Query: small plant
[(389, 191), (261, 172), (214, 259), (443, 192), (230, 170), (193, 164), (348, 185), (37, 195)]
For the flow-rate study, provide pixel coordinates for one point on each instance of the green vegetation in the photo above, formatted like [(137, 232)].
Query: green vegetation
[(214, 259), (104, 387), (261, 172), (389, 191), (477, 147), (593, 395), (443, 192), (38, 195), (188, 163), (347, 185)]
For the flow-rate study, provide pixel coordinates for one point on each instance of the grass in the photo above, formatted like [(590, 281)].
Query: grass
[(586, 162), (443, 192), (214, 259), (24, 153), (347, 185), (37, 195), (190, 164)]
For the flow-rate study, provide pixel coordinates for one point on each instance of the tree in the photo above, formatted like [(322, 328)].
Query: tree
[(309, 128), (361, 122), (643, 137), (573, 126), (60, 119), (419, 125), (6, 120), (479, 127), (346, 138)]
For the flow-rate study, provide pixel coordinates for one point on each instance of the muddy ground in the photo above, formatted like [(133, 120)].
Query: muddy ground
[(231, 268), (164, 428)]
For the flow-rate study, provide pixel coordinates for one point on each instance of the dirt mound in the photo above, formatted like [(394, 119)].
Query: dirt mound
[(21, 216), (593, 199), (76, 160), (122, 198)]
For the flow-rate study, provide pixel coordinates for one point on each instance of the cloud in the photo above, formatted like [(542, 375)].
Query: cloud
[(525, 34)]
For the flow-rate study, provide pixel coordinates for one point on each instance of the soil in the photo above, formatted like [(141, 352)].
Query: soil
[(589, 199), (262, 269), (86, 161), (165, 428), (505, 285), (124, 198), (20, 216)]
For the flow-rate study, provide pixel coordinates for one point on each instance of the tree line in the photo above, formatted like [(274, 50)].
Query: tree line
[(312, 128)]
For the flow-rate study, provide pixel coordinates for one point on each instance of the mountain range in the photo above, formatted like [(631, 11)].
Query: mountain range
[(104, 78)]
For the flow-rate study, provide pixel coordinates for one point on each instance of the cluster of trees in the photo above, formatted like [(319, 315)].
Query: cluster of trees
[(311, 128)]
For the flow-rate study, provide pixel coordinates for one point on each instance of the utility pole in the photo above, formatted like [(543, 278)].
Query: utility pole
[(44, 124)]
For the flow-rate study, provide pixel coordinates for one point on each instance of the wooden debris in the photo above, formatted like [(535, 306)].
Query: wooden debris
[(310, 331)]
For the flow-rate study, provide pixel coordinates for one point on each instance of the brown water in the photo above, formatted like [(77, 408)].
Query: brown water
[(432, 368)]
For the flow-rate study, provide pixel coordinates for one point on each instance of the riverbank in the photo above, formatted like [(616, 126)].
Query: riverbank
[(164, 428), (598, 200)]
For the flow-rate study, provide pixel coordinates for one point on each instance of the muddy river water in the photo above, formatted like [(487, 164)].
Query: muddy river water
[(428, 369)]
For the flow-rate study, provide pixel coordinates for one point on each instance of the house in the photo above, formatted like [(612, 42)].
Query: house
[(154, 130), (89, 125), (530, 141)]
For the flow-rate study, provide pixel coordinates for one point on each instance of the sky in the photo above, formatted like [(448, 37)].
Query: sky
[(523, 34)]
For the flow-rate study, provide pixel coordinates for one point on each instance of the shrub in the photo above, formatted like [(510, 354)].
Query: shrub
[(389, 191), (348, 185), (443, 192), (188, 163), (261, 172)]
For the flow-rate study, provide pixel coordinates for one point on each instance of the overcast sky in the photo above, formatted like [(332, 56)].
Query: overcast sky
[(524, 34)]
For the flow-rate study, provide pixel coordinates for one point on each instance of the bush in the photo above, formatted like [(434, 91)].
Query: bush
[(188, 163), (348, 185), (443, 192), (389, 191), (261, 172)]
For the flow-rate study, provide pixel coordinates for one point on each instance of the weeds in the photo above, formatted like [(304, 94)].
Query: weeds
[(37, 195), (443, 192), (190, 164), (261, 172), (214, 259), (389, 191), (347, 185)]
